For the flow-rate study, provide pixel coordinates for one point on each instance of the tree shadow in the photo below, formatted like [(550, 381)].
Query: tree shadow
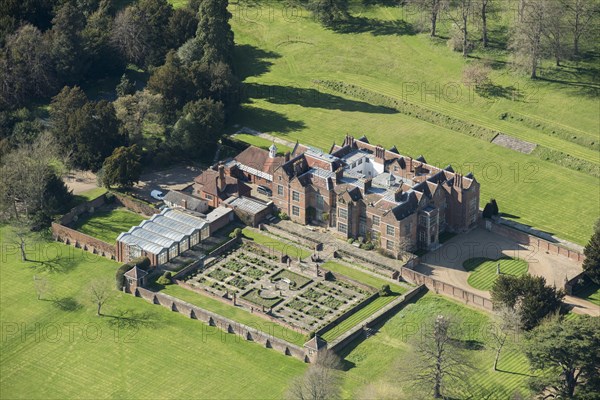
[(65, 303), (266, 120), (373, 26), (490, 90), (308, 97), (252, 61), (131, 319), (54, 265), (468, 344)]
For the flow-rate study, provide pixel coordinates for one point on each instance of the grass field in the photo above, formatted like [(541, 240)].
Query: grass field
[(363, 277), (277, 56), (235, 313), (378, 363), (88, 195), (276, 245), (358, 317), (56, 348), (484, 271), (107, 224), (262, 143)]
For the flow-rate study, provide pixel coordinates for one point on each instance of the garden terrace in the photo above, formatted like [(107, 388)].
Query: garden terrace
[(291, 294)]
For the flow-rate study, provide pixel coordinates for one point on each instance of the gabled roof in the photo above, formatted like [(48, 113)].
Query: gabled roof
[(316, 343), (259, 159), (136, 273), (178, 198)]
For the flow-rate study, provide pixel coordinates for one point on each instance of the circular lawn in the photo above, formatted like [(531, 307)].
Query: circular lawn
[(484, 270)]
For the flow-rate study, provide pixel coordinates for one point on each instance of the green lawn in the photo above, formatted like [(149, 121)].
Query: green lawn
[(276, 245), (235, 313), (279, 60), (107, 224), (484, 270), (358, 317), (262, 143), (56, 348), (363, 277), (378, 362), (88, 195)]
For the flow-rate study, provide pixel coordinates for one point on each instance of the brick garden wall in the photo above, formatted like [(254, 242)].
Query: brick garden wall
[(135, 205), (224, 324), (88, 206), (446, 289), (531, 240), (75, 238)]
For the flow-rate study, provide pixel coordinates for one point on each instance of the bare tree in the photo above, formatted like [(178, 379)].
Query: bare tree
[(580, 16), (130, 34), (100, 291), (476, 74), (433, 8), (485, 7), (528, 34), (555, 30), (320, 382), (439, 363), (508, 321), (459, 13)]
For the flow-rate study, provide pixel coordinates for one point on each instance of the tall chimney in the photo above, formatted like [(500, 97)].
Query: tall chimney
[(287, 156), (398, 194), (221, 182)]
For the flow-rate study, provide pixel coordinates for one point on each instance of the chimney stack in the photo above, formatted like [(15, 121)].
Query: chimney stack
[(221, 181), (287, 156), (339, 173), (184, 203)]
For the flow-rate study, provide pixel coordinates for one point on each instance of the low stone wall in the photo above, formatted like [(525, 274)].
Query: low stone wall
[(75, 238), (225, 324), (136, 205), (446, 289), (348, 337)]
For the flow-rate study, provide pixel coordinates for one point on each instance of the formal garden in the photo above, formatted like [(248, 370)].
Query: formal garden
[(289, 291)]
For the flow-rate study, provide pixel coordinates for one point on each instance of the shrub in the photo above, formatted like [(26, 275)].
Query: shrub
[(351, 240), (165, 279), (367, 246), (385, 291), (283, 216), (237, 232), (109, 198)]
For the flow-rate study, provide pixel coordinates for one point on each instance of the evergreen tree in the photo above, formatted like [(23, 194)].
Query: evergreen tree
[(198, 130), (591, 264), (122, 168), (214, 33), (329, 12), (125, 86)]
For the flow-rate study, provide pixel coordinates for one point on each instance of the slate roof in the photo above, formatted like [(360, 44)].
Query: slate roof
[(178, 198), (136, 273)]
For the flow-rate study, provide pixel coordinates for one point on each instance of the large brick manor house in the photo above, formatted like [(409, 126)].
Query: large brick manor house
[(361, 190)]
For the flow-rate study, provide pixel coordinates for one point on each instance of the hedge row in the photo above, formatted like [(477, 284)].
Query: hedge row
[(142, 263), (567, 161)]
